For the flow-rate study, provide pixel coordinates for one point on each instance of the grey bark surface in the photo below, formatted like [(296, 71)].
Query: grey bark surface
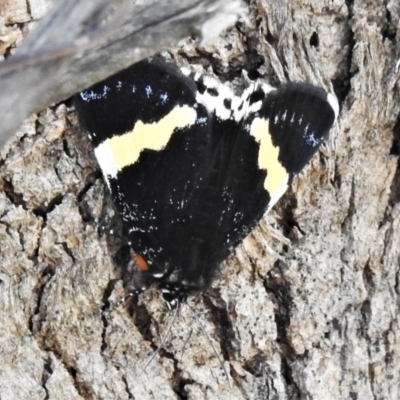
[(81, 42), (307, 307)]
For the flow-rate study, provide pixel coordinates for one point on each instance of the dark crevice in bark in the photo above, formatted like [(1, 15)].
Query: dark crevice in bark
[(105, 310), (223, 326), (389, 29), (279, 289), (287, 220), (127, 391), (15, 198), (141, 318), (342, 83), (314, 40), (395, 150), (291, 387), (46, 374)]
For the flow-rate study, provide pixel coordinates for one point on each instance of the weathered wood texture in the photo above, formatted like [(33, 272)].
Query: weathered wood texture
[(306, 308), (102, 37)]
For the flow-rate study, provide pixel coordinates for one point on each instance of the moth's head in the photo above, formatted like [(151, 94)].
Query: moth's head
[(174, 289), (173, 295)]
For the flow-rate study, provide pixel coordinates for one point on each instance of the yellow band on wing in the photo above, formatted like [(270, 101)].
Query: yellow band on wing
[(124, 150), (277, 179)]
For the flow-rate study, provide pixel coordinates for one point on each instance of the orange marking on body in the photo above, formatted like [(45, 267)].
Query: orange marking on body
[(141, 262)]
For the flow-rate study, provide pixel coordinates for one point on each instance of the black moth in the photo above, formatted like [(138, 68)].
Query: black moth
[(192, 167)]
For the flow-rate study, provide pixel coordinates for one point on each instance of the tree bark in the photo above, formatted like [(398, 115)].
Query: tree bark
[(79, 43), (307, 307)]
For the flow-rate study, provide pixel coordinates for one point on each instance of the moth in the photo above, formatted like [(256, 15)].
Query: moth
[(192, 167)]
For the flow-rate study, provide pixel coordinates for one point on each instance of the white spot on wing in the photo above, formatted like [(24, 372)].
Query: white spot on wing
[(106, 160), (149, 91), (333, 103)]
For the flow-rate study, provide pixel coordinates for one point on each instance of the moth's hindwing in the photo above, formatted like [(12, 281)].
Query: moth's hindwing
[(192, 167)]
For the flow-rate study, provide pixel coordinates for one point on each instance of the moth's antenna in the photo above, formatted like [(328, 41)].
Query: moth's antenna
[(187, 339), (206, 335), (163, 340)]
